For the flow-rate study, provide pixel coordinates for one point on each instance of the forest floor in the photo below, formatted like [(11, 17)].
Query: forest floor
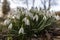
[(57, 38)]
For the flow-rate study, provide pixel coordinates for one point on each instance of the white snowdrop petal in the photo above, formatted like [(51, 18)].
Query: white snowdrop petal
[(6, 22), (18, 17), (44, 18), (13, 17), (10, 26), (57, 17), (26, 21), (35, 17), (21, 30)]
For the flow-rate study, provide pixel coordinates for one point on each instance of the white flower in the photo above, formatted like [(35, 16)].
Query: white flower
[(27, 22), (31, 15), (44, 18), (21, 30), (57, 17), (35, 35), (10, 26), (6, 22), (48, 14), (18, 16), (23, 13), (35, 17), (13, 17)]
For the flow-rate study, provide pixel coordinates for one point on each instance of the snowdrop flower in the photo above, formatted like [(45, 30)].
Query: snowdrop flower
[(6, 22), (35, 17), (35, 35), (57, 17), (23, 13), (48, 14), (30, 15), (18, 16), (13, 17), (21, 30), (44, 18), (10, 26), (27, 22)]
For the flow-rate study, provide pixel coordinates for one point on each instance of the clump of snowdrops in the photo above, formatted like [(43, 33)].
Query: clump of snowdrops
[(30, 23)]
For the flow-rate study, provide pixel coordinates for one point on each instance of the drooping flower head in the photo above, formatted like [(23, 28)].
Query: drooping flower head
[(26, 20), (21, 30)]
